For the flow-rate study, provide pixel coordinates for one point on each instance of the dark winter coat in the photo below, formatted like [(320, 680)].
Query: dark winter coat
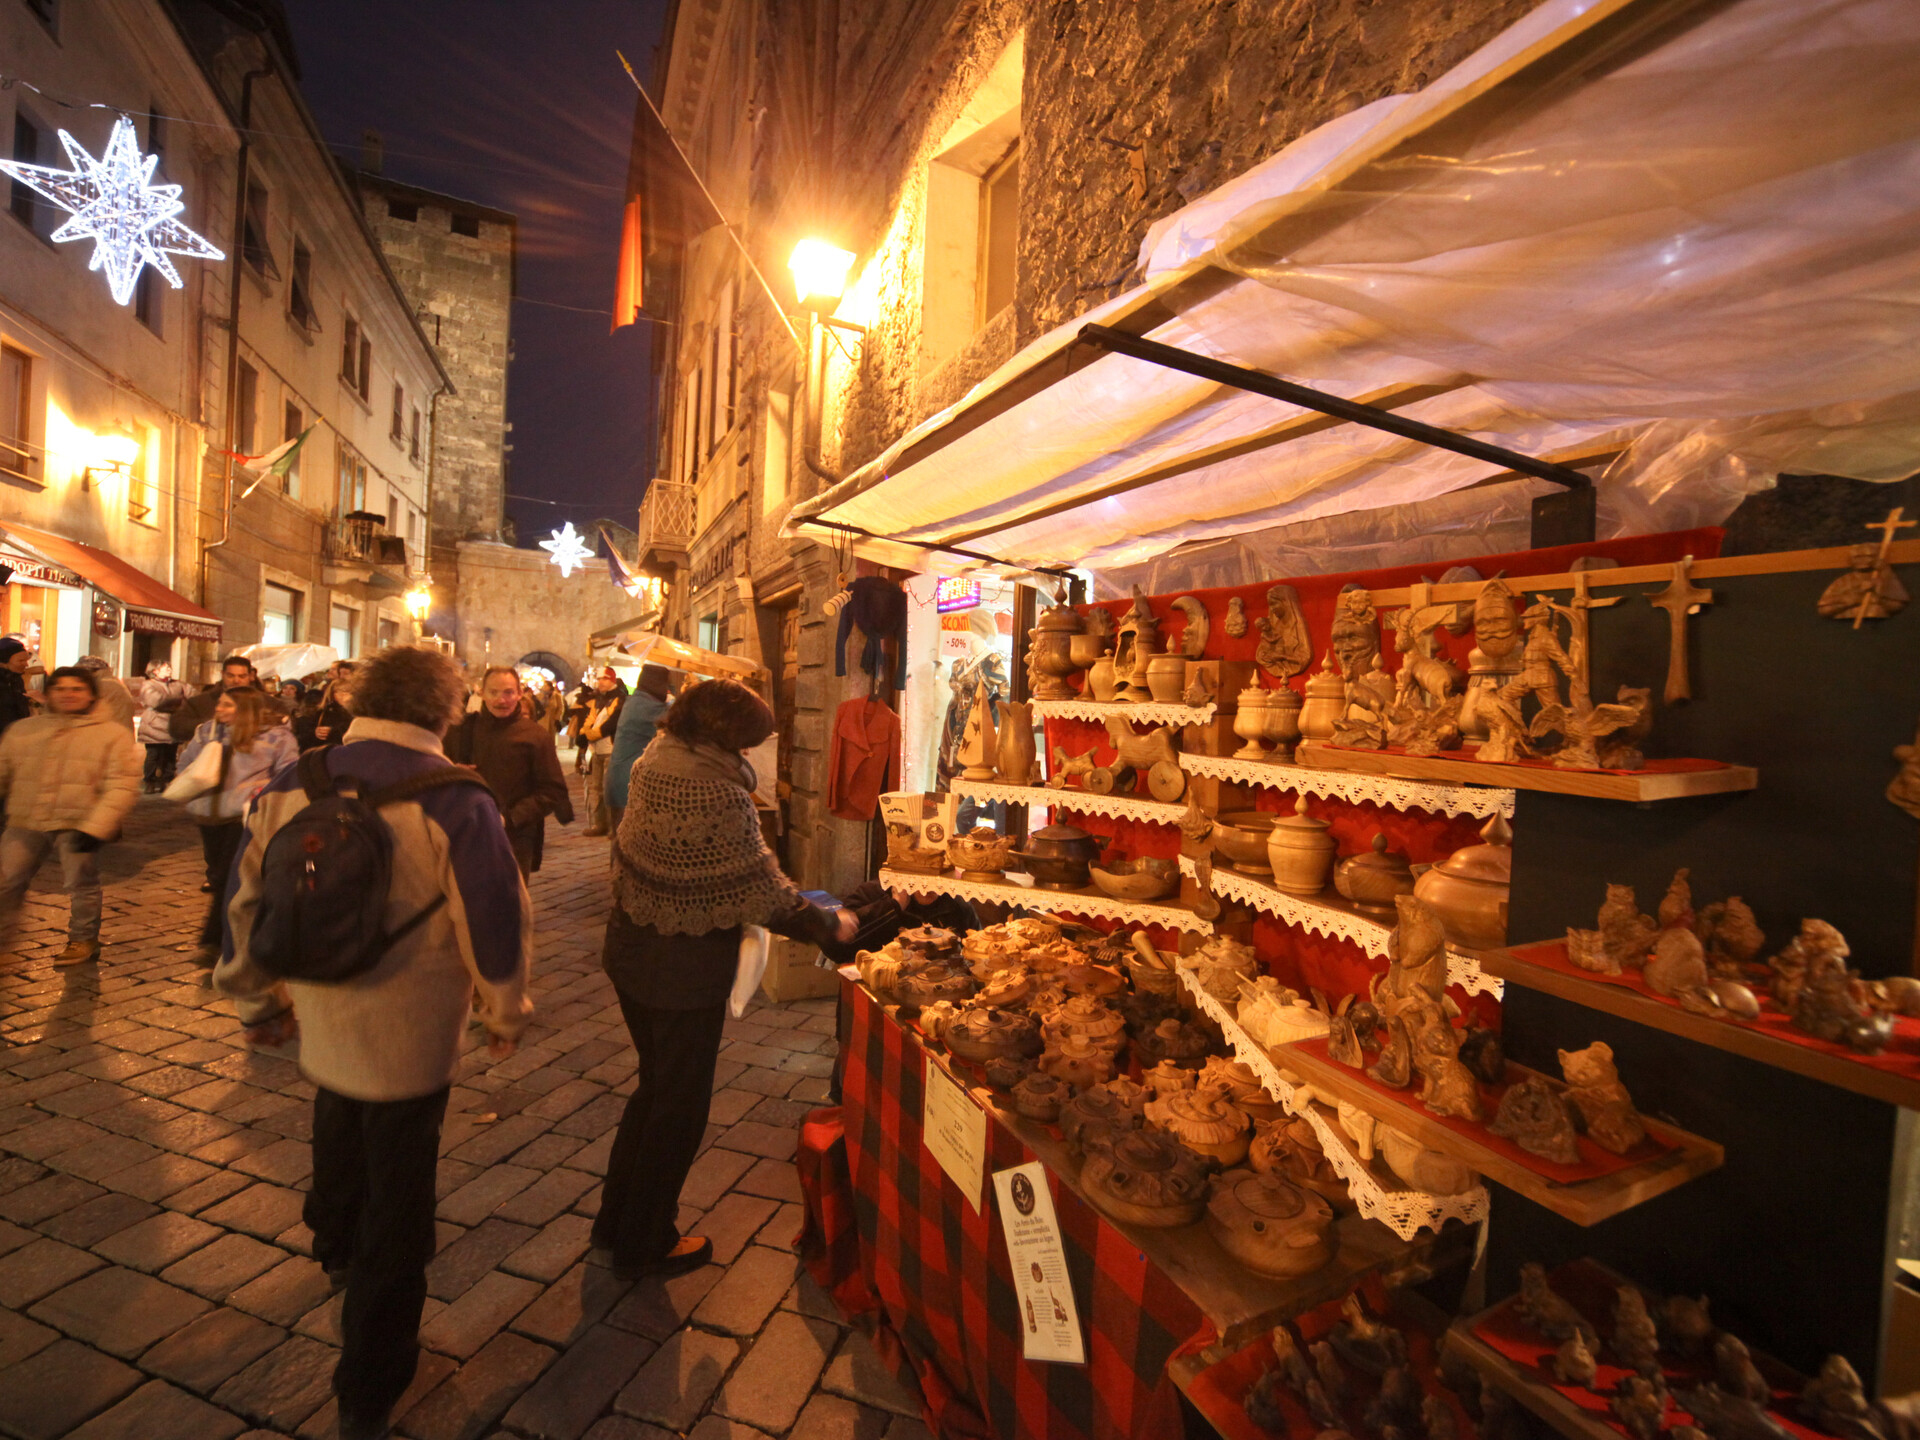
[(516, 758)]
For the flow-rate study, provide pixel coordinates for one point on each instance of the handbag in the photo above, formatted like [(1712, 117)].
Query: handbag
[(199, 777), (754, 942)]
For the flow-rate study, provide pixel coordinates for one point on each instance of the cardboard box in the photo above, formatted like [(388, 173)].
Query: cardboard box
[(792, 973)]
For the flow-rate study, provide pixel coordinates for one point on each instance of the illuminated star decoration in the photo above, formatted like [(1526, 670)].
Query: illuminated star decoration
[(131, 221), (568, 550)]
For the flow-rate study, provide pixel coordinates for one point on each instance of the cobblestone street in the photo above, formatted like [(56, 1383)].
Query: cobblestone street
[(154, 1276)]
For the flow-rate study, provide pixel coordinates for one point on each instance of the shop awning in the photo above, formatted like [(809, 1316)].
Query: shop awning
[(150, 605), (648, 647), (1675, 242)]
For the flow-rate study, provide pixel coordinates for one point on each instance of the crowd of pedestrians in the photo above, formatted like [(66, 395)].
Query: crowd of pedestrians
[(368, 840)]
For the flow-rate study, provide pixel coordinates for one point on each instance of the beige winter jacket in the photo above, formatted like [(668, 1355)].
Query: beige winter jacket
[(69, 772)]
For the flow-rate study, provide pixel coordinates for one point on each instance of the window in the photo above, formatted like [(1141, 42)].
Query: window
[(468, 225), (999, 235), (16, 411), (26, 149), (246, 396), (710, 633), (971, 229), (300, 289), (402, 210), (366, 366), (352, 492), (279, 614), (413, 436), (293, 422), (343, 625), (146, 299), (350, 352), (389, 632), (254, 248), (143, 481), (398, 430)]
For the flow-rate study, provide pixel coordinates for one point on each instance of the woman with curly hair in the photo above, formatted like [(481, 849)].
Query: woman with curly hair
[(691, 869)]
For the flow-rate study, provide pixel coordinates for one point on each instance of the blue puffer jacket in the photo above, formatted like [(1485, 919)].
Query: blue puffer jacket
[(248, 772), (639, 723)]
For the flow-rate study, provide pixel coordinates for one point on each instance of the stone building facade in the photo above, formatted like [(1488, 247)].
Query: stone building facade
[(993, 166), (300, 327), (455, 261)]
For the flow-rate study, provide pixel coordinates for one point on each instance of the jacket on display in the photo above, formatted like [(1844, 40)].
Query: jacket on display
[(864, 759), (879, 608)]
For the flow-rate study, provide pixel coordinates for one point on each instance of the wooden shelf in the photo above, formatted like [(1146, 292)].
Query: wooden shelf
[(1081, 802), (1469, 796), (1585, 1202), (1241, 1304), (1533, 1389), (1028, 896), (1707, 778), (1738, 1037)]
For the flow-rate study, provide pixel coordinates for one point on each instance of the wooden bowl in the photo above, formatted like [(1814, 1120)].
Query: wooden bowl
[(1145, 879)]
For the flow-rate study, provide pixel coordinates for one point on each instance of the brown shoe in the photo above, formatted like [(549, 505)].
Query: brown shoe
[(78, 953)]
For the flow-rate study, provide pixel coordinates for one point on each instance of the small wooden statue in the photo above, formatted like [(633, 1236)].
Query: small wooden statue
[(1532, 1116), (1595, 1092), (1540, 1306), (1623, 939), (1868, 589), (1285, 647), (1573, 1362)]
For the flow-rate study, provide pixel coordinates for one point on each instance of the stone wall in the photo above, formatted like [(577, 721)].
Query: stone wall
[(523, 600), (462, 288)]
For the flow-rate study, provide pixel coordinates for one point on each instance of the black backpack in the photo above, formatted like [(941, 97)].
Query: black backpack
[(325, 874)]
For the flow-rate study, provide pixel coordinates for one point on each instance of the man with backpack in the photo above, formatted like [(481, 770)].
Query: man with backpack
[(374, 893)]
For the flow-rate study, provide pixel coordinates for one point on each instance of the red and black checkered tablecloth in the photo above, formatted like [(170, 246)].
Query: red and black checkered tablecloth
[(937, 1272)]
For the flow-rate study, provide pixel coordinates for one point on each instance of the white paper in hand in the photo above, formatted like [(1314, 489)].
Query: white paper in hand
[(754, 940)]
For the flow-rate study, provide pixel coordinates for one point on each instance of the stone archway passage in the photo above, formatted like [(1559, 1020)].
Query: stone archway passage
[(547, 660)]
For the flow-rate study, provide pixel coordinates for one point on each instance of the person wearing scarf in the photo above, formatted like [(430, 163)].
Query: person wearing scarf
[(691, 869)]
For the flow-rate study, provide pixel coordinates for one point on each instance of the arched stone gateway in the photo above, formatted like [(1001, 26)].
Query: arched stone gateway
[(563, 672)]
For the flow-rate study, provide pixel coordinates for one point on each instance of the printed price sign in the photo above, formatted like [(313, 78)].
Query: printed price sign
[(955, 1130)]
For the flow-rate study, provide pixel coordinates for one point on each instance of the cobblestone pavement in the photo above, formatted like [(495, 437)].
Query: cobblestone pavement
[(155, 1282)]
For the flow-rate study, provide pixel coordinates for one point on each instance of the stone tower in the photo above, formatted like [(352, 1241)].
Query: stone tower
[(455, 262)]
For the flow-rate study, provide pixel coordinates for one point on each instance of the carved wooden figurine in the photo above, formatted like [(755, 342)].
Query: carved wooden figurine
[(978, 743), (1354, 636), (1284, 647), (1193, 639), (1596, 1094), (1680, 599), (1152, 759), (1868, 590), (1623, 939)]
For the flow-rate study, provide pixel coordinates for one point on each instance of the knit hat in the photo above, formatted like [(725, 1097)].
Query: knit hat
[(9, 648)]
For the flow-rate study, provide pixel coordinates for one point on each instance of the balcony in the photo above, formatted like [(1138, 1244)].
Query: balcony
[(666, 524), (356, 549)]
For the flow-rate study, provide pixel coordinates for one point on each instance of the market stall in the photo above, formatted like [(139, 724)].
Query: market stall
[(1465, 897)]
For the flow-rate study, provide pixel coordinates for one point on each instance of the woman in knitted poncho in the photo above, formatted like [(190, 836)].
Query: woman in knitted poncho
[(691, 869)]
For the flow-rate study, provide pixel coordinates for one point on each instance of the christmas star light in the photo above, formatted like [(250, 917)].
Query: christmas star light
[(568, 550), (130, 220)]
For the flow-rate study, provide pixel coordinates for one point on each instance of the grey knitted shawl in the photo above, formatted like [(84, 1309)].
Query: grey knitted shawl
[(690, 856)]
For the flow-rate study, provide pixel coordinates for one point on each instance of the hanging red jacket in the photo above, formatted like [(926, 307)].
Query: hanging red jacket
[(864, 759)]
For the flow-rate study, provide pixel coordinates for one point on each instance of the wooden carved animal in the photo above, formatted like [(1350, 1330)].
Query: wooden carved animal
[(1395, 1065), (1427, 671), (1640, 1405), (1688, 1325), (1139, 754), (1678, 966), (1635, 1345), (1596, 1094), (1541, 1307), (1066, 766), (1733, 1368), (1621, 750), (1573, 1362)]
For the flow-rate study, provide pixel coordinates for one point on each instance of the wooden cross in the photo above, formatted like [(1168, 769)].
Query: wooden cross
[(1680, 599), (1886, 527)]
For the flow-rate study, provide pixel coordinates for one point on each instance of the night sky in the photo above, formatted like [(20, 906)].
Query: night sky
[(523, 107)]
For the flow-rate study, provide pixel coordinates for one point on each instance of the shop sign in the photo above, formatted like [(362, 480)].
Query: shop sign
[(106, 620), (149, 624), (25, 569), (716, 564), (950, 595)]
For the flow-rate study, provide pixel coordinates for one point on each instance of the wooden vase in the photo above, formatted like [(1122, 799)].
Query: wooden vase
[(1015, 756)]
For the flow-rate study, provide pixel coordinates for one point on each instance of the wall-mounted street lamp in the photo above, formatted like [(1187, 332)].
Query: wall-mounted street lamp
[(820, 275), (114, 450), (419, 600)]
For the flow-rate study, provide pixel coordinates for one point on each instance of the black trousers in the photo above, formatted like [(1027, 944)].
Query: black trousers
[(660, 1132), (371, 1212), (219, 843), (159, 768)]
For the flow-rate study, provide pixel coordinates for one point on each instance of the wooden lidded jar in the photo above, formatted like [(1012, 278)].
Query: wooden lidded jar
[(1371, 880), (1469, 889), (1250, 722), (1300, 851), (1326, 702)]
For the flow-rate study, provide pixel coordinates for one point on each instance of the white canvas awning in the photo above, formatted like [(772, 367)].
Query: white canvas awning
[(1674, 241)]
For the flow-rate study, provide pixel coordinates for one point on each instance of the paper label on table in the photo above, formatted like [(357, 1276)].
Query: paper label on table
[(955, 1130), (1049, 1320)]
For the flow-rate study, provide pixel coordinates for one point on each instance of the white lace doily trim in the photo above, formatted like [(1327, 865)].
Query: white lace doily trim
[(1405, 1212), (1067, 902), (1483, 801), (1150, 712), (1310, 914), (1085, 802)]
